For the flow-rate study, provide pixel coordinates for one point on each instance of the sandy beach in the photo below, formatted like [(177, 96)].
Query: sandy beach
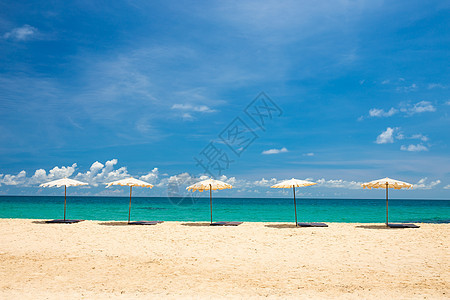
[(96, 260)]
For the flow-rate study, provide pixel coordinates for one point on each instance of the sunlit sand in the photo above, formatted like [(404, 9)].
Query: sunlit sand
[(177, 260)]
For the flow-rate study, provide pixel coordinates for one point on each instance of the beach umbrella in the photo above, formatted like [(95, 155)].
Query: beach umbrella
[(293, 183), (209, 184), (130, 182), (387, 183), (63, 182)]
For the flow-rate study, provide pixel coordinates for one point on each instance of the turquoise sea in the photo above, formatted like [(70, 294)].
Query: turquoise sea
[(225, 209)]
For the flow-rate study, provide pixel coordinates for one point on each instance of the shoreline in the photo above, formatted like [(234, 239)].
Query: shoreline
[(243, 222), (256, 259), (219, 197)]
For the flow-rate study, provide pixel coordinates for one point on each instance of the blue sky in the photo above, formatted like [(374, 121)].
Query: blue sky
[(99, 91)]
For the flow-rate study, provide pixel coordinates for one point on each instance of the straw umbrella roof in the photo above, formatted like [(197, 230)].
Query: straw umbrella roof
[(293, 183), (130, 182), (63, 182), (387, 182), (209, 184)]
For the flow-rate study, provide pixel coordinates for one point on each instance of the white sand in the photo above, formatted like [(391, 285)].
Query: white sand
[(92, 260)]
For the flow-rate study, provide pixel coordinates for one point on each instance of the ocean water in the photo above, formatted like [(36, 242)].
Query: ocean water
[(225, 209)]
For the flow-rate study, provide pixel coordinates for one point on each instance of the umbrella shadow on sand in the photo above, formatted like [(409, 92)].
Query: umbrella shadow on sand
[(281, 226), (38, 222), (381, 226), (119, 223), (195, 224)]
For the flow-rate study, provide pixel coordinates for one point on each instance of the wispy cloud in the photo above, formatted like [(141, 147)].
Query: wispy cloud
[(408, 88), (421, 137), (386, 137), (414, 148), (425, 185), (188, 110), (23, 33), (275, 151), (436, 86), (308, 154), (375, 112), (407, 109), (391, 134), (265, 182), (196, 108), (419, 107), (447, 187), (339, 183), (187, 117)]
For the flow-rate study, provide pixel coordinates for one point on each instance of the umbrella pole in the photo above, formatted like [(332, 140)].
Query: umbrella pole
[(295, 207), (129, 206), (387, 205), (210, 200), (65, 193)]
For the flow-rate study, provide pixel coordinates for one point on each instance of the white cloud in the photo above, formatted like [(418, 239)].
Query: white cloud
[(264, 182), (419, 136), (23, 33), (385, 81), (96, 167), (414, 148), (447, 103), (338, 183), (386, 136), (308, 154), (422, 184), (375, 112), (447, 187), (101, 174), (18, 179), (98, 174), (419, 107), (194, 108), (187, 117), (177, 184), (151, 177), (41, 176), (189, 109), (275, 151), (179, 181), (231, 180)]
